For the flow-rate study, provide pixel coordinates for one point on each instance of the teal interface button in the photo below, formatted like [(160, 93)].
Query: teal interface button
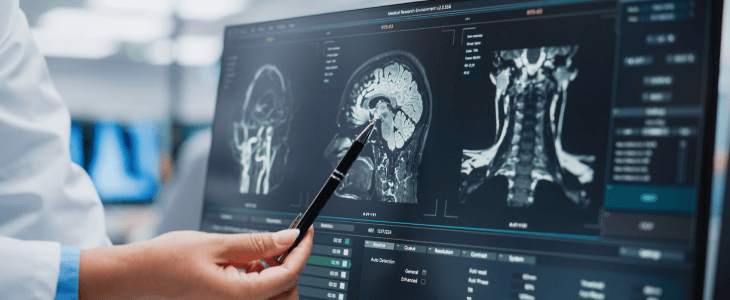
[(652, 198), (649, 197)]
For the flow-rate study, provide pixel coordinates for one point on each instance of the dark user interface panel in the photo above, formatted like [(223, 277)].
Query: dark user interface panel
[(536, 150)]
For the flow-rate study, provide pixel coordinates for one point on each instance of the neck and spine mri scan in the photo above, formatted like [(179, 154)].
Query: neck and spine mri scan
[(391, 88), (260, 138), (530, 105)]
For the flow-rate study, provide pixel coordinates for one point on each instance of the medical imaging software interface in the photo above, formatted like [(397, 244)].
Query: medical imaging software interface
[(522, 150)]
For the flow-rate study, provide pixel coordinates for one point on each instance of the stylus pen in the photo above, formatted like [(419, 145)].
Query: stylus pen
[(304, 222)]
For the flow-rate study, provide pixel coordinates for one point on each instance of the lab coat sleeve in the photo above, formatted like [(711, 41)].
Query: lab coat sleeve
[(29, 269), (68, 274), (45, 199)]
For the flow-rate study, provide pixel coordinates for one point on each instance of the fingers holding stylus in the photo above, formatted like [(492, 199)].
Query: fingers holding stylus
[(281, 278), (242, 249), (272, 262)]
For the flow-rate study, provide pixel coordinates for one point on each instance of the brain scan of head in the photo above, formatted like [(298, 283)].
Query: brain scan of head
[(530, 105), (393, 90), (260, 137)]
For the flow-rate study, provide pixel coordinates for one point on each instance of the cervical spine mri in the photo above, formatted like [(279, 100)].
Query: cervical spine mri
[(530, 106), (260, 138)]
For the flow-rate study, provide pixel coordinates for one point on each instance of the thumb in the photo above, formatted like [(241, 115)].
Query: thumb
[(242, 248)]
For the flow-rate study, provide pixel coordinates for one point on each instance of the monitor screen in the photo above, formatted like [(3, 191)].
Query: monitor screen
[(121, 159), (522, 150)]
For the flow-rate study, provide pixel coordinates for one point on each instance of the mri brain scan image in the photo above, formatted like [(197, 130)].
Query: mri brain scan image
[(391, 89), (532, 92), (260, 137)]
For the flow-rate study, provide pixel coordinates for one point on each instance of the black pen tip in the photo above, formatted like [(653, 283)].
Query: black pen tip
[(365, 135)]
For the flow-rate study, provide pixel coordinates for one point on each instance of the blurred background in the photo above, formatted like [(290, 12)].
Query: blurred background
[(140, 79)]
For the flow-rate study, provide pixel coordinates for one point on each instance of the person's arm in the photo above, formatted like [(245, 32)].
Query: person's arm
[(67, 287), (195, 265), (28, 269), (44, 198), (43, 194)]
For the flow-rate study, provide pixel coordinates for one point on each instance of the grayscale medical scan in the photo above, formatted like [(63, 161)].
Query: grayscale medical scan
[(521, 149), (528, 148), (260, 137), (393, 89)]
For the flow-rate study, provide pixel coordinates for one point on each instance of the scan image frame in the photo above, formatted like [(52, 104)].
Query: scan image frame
[(260, 138), (531, 96), (393, 89)]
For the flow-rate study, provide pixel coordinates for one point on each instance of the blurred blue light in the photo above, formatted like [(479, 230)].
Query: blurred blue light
[(77, 145), (121, 170)]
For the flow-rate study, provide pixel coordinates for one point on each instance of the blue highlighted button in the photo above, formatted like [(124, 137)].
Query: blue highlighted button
[(650, 198)]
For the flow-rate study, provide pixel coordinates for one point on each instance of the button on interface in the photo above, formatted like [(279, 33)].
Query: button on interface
[(517, 258), (650, 226), (379, 245)]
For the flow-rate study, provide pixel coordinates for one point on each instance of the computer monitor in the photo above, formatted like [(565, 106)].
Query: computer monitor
[(523, 149), (122, 159)]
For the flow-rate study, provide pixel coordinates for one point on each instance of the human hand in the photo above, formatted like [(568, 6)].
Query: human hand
[(196, 265)]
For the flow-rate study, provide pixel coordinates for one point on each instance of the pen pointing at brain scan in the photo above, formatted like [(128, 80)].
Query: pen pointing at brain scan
[(303, 222), (391, 88)]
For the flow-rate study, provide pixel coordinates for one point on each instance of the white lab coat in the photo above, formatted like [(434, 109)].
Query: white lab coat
[(45, 199)]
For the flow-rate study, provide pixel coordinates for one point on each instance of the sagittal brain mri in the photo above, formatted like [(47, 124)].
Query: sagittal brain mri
[(393, 90), (260, 136), (531, 96)]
